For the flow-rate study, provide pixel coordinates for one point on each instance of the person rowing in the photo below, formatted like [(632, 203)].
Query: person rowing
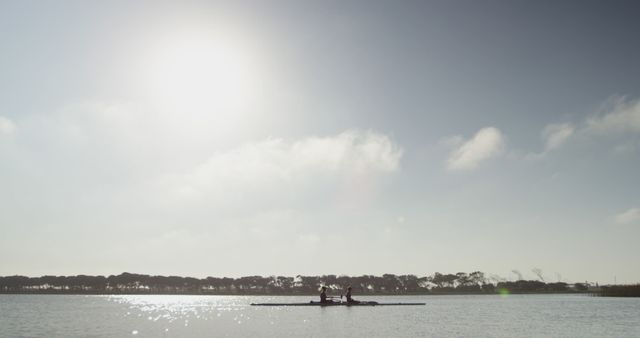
[(323, 296), (350, 300)]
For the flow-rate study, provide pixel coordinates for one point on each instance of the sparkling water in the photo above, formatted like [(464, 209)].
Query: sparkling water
[(232, 316)]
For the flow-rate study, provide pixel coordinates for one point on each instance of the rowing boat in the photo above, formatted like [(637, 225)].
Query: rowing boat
[(312, 303)]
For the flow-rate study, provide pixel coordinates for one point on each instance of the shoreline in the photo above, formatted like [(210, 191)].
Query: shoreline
[(92, 293)]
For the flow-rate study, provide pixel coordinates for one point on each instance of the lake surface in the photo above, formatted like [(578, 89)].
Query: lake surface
[(231, 316)]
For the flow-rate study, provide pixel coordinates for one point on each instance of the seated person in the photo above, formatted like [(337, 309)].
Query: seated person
[(323, 296), (349, 299)]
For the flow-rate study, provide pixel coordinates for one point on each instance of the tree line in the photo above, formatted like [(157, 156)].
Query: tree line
[(130, 283), (620, 291)]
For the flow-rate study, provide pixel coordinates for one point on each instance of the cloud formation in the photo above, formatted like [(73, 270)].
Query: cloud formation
[(486, 143), (629, 216), (619, 117), (350, 152), (555, 135), (622, 116), (167, 169), (287, 172)]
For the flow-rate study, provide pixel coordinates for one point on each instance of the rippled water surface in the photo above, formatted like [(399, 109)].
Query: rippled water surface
[(231, 316)]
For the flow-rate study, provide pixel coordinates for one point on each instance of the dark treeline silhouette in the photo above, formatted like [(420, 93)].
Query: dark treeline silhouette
[(620, 291), (129, 283)]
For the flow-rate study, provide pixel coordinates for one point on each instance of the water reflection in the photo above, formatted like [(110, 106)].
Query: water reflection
[(173, 311), (224, 316)]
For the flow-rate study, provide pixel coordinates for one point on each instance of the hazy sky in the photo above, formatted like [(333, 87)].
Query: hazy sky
[(329, 137)]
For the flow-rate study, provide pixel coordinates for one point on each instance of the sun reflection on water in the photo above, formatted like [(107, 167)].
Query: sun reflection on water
[(170, 310)]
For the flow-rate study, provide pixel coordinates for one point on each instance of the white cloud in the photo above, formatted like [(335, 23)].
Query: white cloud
[(486, 143), (555, 135), (275, 171), (617, 118), (6, 126), (630, 216), (622, 116), (351, 151), (166, 170)]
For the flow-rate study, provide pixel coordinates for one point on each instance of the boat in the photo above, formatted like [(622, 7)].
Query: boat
[(312, 303)]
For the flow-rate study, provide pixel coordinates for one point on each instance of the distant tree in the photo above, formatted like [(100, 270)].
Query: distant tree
[(410, 283), (390, 283), (558, 287), (330, 281), (488, 288), (581, 286), (284, 283), (309, 284), (227, 283), (462, 279), (461, 282), (477, 278), (438, 279), (424, 283)]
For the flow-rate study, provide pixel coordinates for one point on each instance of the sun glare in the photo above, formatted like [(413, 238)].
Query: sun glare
[(199, 74)]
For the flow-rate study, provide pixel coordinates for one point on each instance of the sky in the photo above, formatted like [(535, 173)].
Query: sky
[(330, 137)]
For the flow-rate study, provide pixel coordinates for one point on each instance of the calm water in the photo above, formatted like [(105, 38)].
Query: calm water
[(228, 316)]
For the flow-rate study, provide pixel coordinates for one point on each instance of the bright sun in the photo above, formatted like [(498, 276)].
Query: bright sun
[(198, 74)]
